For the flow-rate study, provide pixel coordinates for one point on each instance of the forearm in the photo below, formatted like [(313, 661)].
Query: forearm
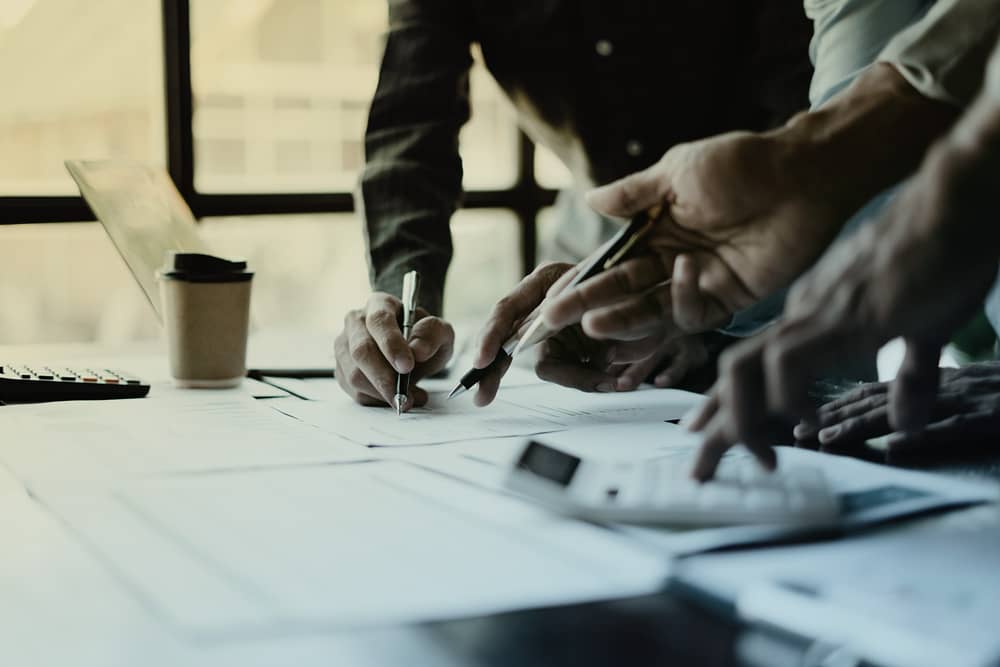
[(868, 137), (962, 173), (412, 180)]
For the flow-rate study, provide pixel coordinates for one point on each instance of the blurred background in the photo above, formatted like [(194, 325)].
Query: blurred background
[(281, 91)]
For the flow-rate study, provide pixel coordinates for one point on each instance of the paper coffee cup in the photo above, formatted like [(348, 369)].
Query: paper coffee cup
[(206, 312)]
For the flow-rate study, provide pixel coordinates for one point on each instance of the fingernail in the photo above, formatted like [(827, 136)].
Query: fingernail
[(687, 419), (803, 432), (605, 387), (625, 384), (828, 434), (403, 364)]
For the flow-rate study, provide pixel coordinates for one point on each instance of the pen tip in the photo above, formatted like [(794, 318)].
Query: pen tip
[(400, 399), (457, 391)]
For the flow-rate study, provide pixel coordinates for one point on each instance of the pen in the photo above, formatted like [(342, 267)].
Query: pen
[(533, 330), (506, 351), (411, 285)]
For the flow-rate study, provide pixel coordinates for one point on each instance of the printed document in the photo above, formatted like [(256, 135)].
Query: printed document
[(170, 433), (519, 411), (298, 549)]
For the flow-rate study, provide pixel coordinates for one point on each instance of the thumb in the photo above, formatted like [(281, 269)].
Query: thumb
[(630, 195), (912, 394)]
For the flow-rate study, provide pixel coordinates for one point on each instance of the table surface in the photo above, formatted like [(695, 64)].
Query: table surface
[(663, 629)]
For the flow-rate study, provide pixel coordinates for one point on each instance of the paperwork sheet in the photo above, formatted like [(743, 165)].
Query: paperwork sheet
[(518, 411), (870, 493), (924, 595), (295, 550), (61, 606), (177, 431)]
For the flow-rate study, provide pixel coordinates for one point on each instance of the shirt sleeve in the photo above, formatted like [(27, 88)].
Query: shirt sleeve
[(849, 35), (944, 55), (412, 180)]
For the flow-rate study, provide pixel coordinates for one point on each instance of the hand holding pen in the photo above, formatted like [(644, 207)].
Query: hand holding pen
[(411, 287), (520, 310)]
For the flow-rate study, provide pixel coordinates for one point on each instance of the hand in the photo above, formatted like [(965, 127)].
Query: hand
[(573, 360), (506, 317), (746, 213), (920, 272), (965, 412), (736, 226), (371, 351)]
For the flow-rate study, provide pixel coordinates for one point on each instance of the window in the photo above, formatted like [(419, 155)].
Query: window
[(262, 130), (63, 98)]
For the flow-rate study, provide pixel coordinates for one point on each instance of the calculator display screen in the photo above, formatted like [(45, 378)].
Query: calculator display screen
[(548, 463)]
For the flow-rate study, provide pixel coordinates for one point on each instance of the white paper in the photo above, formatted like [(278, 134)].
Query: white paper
[(61, 606), (342, 546), (170, 432), (920, 594), (517, 412)]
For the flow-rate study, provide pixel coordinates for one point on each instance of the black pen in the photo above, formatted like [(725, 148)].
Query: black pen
[(411, 285), (506, 352), (533, 330)]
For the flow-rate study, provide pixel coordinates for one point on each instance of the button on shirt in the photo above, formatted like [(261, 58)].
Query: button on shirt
[(608, 86)]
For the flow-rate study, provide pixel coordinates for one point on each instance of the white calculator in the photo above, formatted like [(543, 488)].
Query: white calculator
[(661, 491)]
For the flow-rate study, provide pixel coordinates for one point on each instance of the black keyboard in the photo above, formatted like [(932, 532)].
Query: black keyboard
[(38, 384)]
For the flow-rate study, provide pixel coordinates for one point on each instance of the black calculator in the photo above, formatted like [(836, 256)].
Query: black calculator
[(39, 384)]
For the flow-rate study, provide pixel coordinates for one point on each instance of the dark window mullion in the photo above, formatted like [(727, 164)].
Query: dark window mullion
[(178, 94)]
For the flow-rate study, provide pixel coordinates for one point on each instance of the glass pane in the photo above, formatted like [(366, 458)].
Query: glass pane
[(80, 80), (486, 266), (66, 282), (550, 172), (309, 269), (489, 140), (282, 92), (546, 227)]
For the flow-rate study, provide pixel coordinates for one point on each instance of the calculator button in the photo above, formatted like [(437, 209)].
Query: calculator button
[(45, 376), (111, 380)]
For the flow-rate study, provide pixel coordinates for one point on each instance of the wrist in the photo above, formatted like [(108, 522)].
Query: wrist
[(867, 138), (959, 177)]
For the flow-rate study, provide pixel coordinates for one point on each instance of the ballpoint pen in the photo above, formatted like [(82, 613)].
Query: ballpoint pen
[(533, 330), (411, 285)]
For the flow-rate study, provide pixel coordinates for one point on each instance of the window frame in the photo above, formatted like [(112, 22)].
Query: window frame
[(525, 198)]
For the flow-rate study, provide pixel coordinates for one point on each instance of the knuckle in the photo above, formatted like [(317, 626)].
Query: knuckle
[(551, 269), (379, 318), (363, 348), (353, 318), (504, 309), (356, 377)]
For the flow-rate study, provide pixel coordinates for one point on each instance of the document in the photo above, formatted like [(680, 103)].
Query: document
[(521, 411), (171, 432), (59, 605), (922, 594), (869, 493), (313, 549)]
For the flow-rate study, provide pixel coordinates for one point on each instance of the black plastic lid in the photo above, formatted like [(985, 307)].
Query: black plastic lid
[(199, 268)]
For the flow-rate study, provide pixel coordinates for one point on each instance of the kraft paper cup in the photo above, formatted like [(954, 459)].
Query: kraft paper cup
[(206, 326)]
